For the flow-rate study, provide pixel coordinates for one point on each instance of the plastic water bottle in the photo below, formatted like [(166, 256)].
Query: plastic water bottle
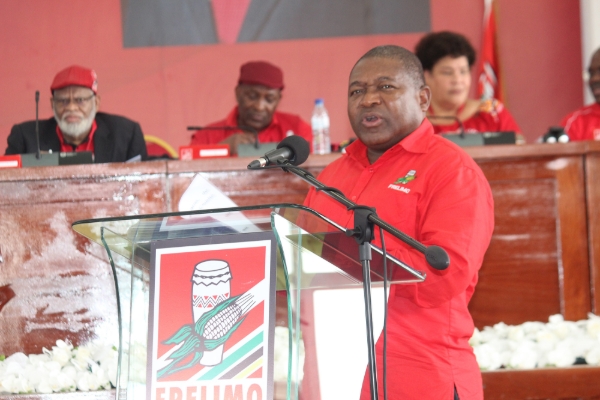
[(320, 129)]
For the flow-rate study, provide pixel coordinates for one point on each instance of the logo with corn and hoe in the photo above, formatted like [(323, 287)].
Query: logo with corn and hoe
[(410, 176), (217, 316)]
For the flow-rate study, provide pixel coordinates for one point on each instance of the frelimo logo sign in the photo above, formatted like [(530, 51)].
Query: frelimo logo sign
[(212, 319)]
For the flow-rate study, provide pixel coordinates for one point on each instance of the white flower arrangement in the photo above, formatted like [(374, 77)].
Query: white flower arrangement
[(66, 368), (558, 343), (63, 369)]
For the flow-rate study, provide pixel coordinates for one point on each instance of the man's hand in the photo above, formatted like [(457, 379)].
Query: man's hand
[(236, 139)]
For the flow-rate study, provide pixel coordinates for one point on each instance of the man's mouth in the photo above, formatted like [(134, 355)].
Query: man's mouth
[(72, 118), (371, 120)]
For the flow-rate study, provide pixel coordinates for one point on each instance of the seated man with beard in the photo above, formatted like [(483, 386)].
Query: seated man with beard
[(77, 125)]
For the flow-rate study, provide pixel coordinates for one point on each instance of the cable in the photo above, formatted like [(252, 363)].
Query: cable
[(385, 312)]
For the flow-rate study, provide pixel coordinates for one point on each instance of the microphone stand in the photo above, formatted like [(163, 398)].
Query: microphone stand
[(228, 128), (364, 220), (38, 153)]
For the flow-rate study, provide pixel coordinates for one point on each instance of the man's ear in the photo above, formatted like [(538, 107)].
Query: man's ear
[(424, 97), (238, 93), (97, 100)]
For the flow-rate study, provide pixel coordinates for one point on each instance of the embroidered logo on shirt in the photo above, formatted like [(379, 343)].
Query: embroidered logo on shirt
[(410, 176)]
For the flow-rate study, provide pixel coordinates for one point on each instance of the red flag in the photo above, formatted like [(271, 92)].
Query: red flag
[(489, 77)]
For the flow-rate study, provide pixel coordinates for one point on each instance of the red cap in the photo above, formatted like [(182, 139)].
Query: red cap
[(261, 73), (75, 76)]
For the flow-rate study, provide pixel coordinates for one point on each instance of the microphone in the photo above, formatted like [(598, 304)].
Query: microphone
[(461, 127), (38, 154), (292, 149), (227, 128)]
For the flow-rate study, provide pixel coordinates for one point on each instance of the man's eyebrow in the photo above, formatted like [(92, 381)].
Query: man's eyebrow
[(380, 79)]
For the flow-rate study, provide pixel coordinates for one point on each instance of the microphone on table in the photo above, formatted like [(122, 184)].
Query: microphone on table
[(38, 153), (292, 149), (461, 127), (227, 128)]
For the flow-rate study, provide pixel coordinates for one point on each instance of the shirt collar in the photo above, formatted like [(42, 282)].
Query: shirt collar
[(416, 142)]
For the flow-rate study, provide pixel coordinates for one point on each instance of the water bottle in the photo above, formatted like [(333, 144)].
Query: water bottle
[(320, 129)]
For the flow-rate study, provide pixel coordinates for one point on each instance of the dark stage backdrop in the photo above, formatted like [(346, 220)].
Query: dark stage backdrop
[(179, 22)]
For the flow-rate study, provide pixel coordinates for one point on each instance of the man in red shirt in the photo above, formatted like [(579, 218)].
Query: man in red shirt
[(432, 190), (258, 94), (584, 124)]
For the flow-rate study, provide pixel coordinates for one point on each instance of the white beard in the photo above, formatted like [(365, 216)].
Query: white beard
[(76, 130)]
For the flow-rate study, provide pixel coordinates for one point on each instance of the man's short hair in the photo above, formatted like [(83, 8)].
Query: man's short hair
[(437, 45), (412, 65)]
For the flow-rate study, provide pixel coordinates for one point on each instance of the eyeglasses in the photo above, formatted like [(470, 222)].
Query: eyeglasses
[(79, 101)]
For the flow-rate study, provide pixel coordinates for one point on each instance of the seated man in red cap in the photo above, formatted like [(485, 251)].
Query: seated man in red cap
[(258, 93), (77, 125)]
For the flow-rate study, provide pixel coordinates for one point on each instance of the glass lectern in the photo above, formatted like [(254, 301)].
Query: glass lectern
[(256, 302)]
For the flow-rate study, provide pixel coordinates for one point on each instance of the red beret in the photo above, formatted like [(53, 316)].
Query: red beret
[(75, 76), (261, 73)]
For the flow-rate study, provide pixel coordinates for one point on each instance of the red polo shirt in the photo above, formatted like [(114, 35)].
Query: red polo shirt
[(86, 145), (281, 126), (583, 124), (432, 190)]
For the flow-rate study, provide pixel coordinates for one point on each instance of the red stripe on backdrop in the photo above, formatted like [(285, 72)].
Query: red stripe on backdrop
[(229, 18)]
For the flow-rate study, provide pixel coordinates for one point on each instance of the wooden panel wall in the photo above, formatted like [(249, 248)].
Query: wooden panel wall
[(544, 257)]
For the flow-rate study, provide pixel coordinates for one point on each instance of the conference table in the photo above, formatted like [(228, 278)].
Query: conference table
[(544, 257)]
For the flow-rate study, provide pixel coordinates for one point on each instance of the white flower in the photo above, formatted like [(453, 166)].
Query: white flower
[(488, 357), (561, 356), (516, 333), (525, 356), (15, 384), (60, 353), (87, 381), (474, 341), (82, 357), (593, 326), (593, 356)]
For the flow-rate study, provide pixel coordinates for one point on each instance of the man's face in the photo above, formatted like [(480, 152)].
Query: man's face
[(594, 72), (256, 105), (74, 110), (384, 103), (450, 81)]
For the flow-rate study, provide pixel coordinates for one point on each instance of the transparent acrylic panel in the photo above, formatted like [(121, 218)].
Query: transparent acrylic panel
[(315, 257)]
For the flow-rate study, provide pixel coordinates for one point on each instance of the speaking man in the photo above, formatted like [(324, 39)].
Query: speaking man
[(432, 190), (78, 125), (584, 124), (258, 93)]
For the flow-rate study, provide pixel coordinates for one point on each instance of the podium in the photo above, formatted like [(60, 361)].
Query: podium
[(223, 303)]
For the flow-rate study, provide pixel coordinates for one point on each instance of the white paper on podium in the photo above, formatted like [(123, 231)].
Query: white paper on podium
[(203, 195)]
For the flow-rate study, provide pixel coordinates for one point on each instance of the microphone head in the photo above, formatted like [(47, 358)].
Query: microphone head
[(437, 257), (299, 147)]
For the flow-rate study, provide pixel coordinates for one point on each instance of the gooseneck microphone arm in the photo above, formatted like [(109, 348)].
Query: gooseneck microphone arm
[(38, 153), (227, 128), (461, 127)]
